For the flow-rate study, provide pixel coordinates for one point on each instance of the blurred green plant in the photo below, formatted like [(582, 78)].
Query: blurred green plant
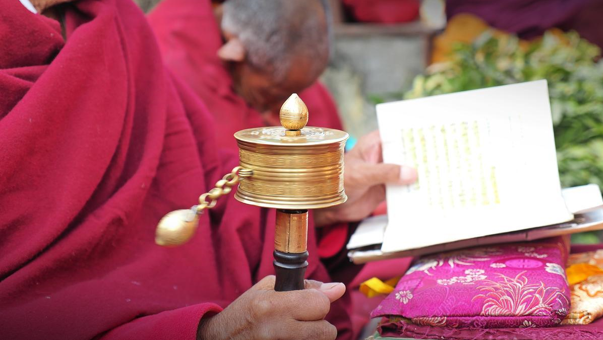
[(575, 86)]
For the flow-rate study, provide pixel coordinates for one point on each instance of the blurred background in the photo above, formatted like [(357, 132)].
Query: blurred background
[(385, 50)]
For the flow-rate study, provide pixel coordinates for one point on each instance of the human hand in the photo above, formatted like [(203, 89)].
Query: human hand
[(42, 5), (263, 313), (365, 176)]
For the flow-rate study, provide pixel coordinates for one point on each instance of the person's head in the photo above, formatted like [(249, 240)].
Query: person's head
[(274, 47)]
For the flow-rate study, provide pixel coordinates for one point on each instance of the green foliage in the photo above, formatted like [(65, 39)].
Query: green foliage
[(585, 238), (575, 88)]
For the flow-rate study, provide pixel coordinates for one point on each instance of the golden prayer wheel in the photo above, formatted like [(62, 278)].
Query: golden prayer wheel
[(291, 168)]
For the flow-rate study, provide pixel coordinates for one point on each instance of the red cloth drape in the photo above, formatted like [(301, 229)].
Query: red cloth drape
[(97, 143)]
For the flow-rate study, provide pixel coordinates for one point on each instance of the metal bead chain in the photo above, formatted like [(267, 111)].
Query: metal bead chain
[(223, 187)]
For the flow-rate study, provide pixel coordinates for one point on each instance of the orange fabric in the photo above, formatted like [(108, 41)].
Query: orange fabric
[(577, 273), (465, 28)]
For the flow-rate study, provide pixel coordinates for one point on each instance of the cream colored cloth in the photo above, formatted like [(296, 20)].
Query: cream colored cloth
[(586, 302)]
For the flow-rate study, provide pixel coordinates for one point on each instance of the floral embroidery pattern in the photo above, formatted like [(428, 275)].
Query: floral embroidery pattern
[(509, 286), (516, 297), (404, 296), (527, 324), (455, 258), (472, 276), (591, 287), (530, 252), (554, 268), (435, 321)]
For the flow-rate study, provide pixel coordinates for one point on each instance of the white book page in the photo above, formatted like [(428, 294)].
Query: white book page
[(583, 198), (486, 164), (369, 232)]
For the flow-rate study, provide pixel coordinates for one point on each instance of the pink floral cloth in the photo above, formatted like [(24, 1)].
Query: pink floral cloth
[(504, 286)]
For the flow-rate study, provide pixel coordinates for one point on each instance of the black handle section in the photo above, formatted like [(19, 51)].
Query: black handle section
[(290, 270)]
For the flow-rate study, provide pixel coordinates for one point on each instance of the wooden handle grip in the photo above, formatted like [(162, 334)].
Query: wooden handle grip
[(290, 269), (290, 254)]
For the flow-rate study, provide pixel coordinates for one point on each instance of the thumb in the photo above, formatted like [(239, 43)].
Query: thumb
[(383, 173), (333, 290)]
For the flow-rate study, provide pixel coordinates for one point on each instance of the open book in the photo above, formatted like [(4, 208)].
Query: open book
[(486, 164)]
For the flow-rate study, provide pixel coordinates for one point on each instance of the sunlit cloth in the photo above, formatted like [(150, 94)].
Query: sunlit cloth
[(594, 258), (587, 301), (585, 274), (510, 285), (374, 286), (579, 272)]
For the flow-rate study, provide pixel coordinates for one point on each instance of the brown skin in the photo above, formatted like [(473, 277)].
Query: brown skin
[(42, 5), (260, 89), (262, 313), (365, 177)]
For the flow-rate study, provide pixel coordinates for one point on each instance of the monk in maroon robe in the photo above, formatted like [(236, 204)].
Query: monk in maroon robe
[(98, 141), (193, 47), (243, 59)]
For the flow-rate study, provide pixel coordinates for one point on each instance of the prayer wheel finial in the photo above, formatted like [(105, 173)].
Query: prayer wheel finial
[(294, 115)]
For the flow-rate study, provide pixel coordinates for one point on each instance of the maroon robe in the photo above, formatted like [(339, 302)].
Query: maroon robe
[(98, 142)]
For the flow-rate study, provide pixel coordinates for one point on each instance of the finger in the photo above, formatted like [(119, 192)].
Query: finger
[(302, 330), (371, 147), (333, 290), (363, 207), (312, 284), (383, 173), (371, 138), (266, 283), (307, 304)]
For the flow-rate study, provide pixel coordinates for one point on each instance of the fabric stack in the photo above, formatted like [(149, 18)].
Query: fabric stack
[(518, 291)]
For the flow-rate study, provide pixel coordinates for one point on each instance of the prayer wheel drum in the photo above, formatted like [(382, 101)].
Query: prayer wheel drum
[(292, 169)]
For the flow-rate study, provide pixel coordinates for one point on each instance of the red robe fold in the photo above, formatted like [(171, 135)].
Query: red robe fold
[(97, 143)]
